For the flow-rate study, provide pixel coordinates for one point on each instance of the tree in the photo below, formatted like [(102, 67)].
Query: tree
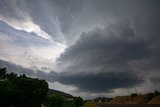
[(134, 95), (3, 73), (21, 91), (78, 102), (156, 93), (55, 101)]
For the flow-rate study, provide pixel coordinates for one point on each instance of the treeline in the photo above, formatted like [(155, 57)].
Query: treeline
[(22, 91), (56, 100)]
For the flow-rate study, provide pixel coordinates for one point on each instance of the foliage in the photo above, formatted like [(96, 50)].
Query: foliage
[(56, 100), (134, 95), (68, 104), (23, 91), (156, 93), (148, 96), (18, 91), (78, 102)]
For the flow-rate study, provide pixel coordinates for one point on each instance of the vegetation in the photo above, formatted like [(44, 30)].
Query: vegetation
[(149, 98), (90, 104), (134, 95), (21, 91), (56, 100)]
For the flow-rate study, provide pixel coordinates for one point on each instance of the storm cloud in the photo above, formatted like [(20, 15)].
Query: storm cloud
[(103, 57), (93, 45), (52, 17), (64, 21), (101, 82), (18, 69)]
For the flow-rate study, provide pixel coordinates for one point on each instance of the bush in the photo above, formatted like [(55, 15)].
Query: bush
[(68, 104), (149, 96), (134, 95), (54, 101), (78, 102), (156, 93)]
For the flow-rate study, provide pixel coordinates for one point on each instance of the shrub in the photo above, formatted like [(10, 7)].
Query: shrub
[(134, 95)]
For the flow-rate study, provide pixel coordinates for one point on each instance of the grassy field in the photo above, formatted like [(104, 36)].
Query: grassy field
[(90, 104)]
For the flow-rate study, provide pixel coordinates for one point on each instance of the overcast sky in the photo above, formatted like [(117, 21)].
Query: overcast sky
[(83, 47)]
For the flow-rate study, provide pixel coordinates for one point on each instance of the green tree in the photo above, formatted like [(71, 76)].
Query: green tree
[(55, 101), (3, 74), (21, 91), (78, 101), (156, 93)]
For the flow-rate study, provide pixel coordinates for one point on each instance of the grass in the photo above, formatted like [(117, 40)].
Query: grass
[(90, 104)]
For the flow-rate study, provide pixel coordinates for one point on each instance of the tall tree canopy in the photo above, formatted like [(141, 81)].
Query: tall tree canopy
[(18, 91)]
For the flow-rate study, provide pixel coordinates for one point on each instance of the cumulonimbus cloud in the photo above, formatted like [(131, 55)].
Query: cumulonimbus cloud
[(104, 56), (123, 51)]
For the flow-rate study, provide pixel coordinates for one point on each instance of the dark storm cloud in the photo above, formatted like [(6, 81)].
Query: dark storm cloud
[(106, 54), (100, 12), (51, 76), (123, 48), (101, 82), (68, 18), (154, 79), (18, 69), (54, 16), (112, 47)]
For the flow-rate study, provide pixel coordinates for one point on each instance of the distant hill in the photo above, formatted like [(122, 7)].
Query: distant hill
[(52, 91)]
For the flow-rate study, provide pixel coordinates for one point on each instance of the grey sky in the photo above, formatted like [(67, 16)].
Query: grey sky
[(87, 43)]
